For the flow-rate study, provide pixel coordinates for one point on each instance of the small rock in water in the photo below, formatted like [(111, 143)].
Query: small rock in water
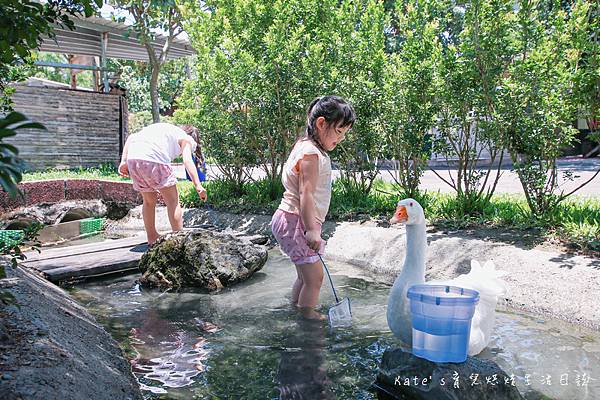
[(7, 377)]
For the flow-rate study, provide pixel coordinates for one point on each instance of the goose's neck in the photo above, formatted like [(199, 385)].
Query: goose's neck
[(416, 247)]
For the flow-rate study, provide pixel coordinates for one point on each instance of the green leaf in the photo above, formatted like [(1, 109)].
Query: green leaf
[(88, 10), (12, 118), (5, 132), (10, 148), (8, 299), (9, 186), (31, 125)]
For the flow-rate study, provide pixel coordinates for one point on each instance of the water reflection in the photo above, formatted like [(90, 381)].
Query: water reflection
[(167, 354), (302, 371)]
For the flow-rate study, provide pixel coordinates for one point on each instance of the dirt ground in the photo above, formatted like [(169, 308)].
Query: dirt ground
[(52, 348)]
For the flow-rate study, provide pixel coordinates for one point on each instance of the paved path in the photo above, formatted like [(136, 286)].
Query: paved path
[(582, 169)]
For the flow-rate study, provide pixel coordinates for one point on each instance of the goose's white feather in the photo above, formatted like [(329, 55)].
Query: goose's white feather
[(484, 279)]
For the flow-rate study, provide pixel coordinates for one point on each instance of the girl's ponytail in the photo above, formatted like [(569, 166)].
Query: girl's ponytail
[(334, 109), (198, 156), (311, 117)]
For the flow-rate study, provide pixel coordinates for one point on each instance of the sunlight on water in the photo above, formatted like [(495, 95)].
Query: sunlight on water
[(247, 342)]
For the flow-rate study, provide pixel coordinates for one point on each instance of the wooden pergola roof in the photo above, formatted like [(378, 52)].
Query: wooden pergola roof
[(120, 41)]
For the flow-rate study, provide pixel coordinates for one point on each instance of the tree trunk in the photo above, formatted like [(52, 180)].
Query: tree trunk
[(154, 91)]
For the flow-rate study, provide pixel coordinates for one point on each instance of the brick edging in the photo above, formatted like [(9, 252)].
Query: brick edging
[(57, 190)]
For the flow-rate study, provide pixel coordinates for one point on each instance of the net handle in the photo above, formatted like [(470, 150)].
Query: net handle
[(337, 300)]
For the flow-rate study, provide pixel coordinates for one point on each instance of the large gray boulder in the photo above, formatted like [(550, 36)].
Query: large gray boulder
[(200, 258), (405, 376)]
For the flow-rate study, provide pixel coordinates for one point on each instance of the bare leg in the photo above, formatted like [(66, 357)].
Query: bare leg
[(148, 214), (297, 286), (171, 198), (312, 278)]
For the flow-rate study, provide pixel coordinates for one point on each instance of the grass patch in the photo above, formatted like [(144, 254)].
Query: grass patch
[(347, 204), (254, 197), (105, 171)]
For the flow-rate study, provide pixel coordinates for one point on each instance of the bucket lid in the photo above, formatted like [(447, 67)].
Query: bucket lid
[(443, 294)]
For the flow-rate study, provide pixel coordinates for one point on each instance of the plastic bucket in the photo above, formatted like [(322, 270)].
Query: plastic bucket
[(441, 321)]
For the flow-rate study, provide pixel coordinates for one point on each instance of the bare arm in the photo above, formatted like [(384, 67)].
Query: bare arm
[(188, 163), (309, 176), (125, 149), (123, 170)]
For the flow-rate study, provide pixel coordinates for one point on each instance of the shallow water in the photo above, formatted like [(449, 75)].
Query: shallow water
[(247, 343), (85, 239)]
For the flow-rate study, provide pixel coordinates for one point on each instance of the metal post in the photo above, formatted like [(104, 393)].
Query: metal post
[(70, 66), (104, 46)]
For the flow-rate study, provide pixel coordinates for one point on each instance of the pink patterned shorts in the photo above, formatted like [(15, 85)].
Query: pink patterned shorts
[(148, 176), (288, 229)]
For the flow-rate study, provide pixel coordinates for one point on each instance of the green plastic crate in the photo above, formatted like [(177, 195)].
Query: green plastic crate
[(90, 225), (10, 237)]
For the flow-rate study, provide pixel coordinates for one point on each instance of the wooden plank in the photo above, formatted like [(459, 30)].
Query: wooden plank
[(90, 248), (66, 273), (77, 266), (105, 258)]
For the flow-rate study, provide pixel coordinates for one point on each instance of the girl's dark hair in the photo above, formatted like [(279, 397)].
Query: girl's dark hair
[(194, 133), (334, 109)]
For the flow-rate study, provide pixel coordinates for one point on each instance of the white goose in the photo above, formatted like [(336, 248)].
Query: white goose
[(486, 280)]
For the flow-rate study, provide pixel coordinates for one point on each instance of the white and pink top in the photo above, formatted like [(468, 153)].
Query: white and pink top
[(291, 180), (158, 143)]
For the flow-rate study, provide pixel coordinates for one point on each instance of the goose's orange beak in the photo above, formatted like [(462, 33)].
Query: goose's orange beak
[(400, 215)]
